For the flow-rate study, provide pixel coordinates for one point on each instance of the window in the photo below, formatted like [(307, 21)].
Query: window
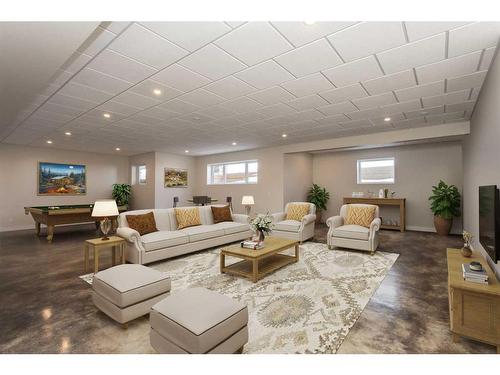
[(240, 172), (376, 171), (138, 174)]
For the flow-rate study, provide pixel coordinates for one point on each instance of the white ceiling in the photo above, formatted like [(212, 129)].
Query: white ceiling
[(249, 83)]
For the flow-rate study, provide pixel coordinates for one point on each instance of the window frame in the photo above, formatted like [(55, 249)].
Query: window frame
[(358, 169), (210, 172), (138, 174)]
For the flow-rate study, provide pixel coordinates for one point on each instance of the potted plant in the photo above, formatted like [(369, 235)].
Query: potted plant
[(121, 194), (319, 197), (445, 204)]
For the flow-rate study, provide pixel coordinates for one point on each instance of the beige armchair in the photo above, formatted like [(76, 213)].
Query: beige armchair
[(353, 236), (293, 229)]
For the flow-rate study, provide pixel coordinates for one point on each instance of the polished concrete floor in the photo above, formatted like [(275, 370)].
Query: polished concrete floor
[(46, 308)]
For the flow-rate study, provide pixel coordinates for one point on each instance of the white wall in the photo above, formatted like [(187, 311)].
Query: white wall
[(417, 168), (297, 176), (18, 176), (482, 151), (164, 196)]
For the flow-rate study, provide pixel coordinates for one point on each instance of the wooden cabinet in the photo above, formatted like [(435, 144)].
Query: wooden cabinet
[(474, 308)]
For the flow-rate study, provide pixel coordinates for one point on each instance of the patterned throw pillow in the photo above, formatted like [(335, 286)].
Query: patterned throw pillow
[(187, 217), (144, 224), (360, 215), (221, 214), (296, 211)]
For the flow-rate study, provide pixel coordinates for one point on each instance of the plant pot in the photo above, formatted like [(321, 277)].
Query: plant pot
[(318, 216), (442, 225)]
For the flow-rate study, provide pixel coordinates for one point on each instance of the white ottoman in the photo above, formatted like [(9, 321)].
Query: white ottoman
[(128, 291), (198, 321)]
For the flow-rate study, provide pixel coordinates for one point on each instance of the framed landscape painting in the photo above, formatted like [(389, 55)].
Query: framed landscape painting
[(61, 179), (175, 177)]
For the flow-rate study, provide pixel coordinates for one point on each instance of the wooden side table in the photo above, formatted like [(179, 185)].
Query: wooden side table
[(97, 244)]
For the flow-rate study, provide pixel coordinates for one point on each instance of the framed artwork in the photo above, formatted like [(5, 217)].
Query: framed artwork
[(175, 177), (61, 179)]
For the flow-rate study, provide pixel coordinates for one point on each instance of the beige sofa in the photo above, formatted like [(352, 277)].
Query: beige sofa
[(170, 242), (293, 229)]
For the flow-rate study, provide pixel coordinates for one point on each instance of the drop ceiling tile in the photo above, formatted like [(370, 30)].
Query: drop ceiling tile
[(488, 55), (76, 62), (307, 102), (179, 106), (51, 116), (101, 81), (425, 112), (475, 93), (390, 82), (366, 114), (458, 107), (119, 66), (96, 42), (247, 43), (451, 98), (466, 82), (311, 58), (159, 113), (52, 107), (414, 54), (135, 100), (212, 62), (308, 85), (419, 30), (97, 116), (196, 118), (234, 24), (148, 86), (229, 87), (408, 123), (202, 98), (69, 101), (415, 92), (119, 108), (354, 72), (473, 37), (367, 38), (439, 119), (241, 105), (216, 112), (228, 122), (189, 35), (300, 33), (279, 109), (454, 67), (249, 117), (375, 101), (332, 120), (272, 95), (411, 105), (356, 124), (84, 92), (115, 27), (344, 93), (394, 117), (265, 75), (337, 109), (60, 77), (178, 77), (145, 46)]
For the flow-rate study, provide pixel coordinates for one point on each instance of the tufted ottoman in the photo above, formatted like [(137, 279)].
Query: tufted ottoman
[(198, 321), (128, 291)]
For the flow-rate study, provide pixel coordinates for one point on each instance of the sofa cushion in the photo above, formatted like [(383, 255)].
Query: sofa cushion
[(187, 217), (163, 239), (296, 211), (231, 227), (360, 215), (288, 225), (198, 319), (356, 232), (128, 284), (143, 224), (221, 214), (202, 232)]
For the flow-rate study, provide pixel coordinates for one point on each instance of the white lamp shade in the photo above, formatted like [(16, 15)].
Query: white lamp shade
[(105, 208), (247, 200)]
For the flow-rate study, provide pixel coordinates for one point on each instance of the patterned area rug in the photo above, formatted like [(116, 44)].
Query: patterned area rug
[(306, 307)]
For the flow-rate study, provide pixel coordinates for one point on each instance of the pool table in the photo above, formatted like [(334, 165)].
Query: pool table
[(60, 215)]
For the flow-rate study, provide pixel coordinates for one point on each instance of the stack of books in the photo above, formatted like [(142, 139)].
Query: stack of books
[(255, 245), (480, 277)]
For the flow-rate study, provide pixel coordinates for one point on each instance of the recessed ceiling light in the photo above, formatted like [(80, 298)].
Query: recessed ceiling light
[(387, 119), (117, 149), (309, 22), (283, 136), (67, 133), (157, 91), (49, 141), (107, 115), (186, 151), (234, 143)]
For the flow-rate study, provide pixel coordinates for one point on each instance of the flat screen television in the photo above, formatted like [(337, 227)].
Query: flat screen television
[(489, 234)]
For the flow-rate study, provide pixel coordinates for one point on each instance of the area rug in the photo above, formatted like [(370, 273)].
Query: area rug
[(306, 307)]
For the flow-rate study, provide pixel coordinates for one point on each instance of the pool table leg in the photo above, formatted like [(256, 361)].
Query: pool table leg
[(37, 227), (50, 233)]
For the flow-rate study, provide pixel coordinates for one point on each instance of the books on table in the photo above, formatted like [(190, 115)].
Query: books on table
[(254, 245), (480, 277)]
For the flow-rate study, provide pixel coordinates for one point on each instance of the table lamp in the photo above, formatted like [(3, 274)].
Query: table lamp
[(104, 209), (248, 202)]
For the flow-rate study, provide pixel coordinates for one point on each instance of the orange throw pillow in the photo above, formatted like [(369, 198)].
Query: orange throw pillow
[(187, 217), (144, 224), (360, 215), (221, 214)]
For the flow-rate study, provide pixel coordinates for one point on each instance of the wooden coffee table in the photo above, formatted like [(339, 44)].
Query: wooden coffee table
[(256, 264)]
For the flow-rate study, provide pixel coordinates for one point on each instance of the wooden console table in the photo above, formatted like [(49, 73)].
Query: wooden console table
[(474, 308), (401, 202)]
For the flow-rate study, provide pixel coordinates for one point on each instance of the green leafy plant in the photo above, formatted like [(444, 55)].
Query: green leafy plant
[(445, 200), (121, 194), (318, 196)]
